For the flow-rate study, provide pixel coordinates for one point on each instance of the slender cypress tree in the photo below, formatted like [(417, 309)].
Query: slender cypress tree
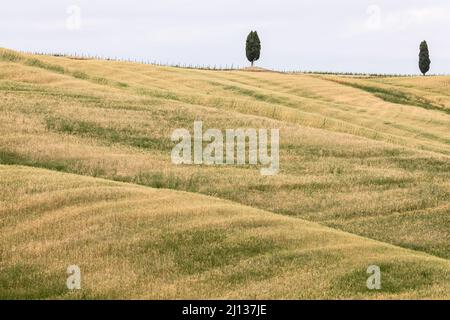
[(253, 47), (424, 58)]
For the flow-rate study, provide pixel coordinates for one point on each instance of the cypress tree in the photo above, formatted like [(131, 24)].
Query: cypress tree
[(253, 47), (424, 58)]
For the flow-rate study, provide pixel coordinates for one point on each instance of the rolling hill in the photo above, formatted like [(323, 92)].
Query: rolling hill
[(86, 179)]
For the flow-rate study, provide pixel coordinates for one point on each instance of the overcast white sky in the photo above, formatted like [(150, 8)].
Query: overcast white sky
[(345, 35)]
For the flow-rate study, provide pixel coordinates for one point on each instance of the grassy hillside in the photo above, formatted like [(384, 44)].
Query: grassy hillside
[(369, 156), (138, 242)]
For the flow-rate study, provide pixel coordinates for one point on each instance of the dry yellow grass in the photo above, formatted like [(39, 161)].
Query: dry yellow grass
[(137, 242), (369, 156)]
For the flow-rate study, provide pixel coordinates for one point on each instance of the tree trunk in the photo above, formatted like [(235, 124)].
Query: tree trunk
[(252, 63)]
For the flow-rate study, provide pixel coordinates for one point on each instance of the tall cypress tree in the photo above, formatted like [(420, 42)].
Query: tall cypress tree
[(424, 58), (253, 47)]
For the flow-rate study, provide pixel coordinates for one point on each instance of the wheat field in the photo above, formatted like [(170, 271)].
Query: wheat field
[(87, 179)]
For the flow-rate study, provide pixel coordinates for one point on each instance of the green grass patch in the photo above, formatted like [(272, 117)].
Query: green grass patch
[(396, 277), (165, 181), (387, 182), (22, 281), (80, 75), (431, 165), (13, 158), (200, 250), (166, 95), (43, 65), (396, 96), (107, 82), (59, 94), (10, 56), (254, 94), (306, 187), (108, 134)]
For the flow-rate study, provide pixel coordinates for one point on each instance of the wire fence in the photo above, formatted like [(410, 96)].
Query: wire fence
[(231, 67)]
